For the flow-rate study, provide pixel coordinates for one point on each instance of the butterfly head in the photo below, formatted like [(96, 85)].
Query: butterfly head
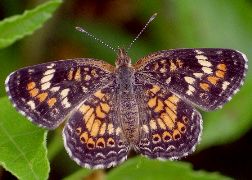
[(122, 58)]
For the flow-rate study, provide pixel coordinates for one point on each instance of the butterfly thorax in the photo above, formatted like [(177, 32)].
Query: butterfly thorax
[(128, 109), (122, 58)]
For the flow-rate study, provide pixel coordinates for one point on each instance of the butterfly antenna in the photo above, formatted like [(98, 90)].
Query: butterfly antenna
[(92, 36), (139, 34)]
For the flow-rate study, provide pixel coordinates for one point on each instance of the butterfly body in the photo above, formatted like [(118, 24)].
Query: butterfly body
[(148, 105)]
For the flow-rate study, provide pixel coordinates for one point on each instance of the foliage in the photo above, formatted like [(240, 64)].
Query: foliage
[(23, 145)]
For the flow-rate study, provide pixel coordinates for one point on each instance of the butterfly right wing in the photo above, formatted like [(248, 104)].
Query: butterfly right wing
[(47, 93)]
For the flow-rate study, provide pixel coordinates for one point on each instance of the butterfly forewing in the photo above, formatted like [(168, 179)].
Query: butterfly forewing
[(170, 129), (46, 93), (93, 136), (206, 78)]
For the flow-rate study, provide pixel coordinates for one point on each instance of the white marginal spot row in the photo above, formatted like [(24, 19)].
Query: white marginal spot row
[(198, 75), (50, 71), (64, 92), (55, 89), (50, 66), (224, 85), (86, 165), (207, 70), (198, 51), (46, 78), (31, 104), (190, 90), (189, 80), (65, 103), (45, 86)]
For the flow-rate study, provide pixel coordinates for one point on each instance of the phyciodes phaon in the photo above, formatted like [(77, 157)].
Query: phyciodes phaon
[(147, 106)]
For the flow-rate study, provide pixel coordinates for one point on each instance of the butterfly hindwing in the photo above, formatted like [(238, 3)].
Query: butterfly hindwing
[(46, 93), (93, 136), (170, 129), (206, 78)]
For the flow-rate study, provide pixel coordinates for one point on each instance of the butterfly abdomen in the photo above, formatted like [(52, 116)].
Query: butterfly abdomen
[(128, 108)]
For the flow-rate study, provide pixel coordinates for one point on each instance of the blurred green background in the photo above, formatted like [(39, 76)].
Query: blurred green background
[(226, 143)]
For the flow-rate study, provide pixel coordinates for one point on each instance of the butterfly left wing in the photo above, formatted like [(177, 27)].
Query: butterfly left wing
[(93, 136), (170, 129), (207, 78), (47, 93)]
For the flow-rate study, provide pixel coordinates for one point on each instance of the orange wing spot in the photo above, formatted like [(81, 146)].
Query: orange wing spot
[(34, 92), (111, 128), (181, 127), (100, 143), (84, 137), (51, 102), (173, 67), (105, 107), (99, 113), (220, 74), (174, 99), (166, 136), (222, 67), (42, 96), (204, 86), (93, 72), (155, 89), (118, 131), (152, 102), (171, 114), (78, 130), (176, 134), (179, 63), (31, 85), (142, 62), (87, 77), (91, 143), (77, 75), (99, 94), (213, 79), (167, 120), (160, 106), (95, 128), (153, 124), (102, 129), (110, 142), (88, 114), (156, 138), (156, 66), (84, 108), (163, 70), (90, 122), (171, 105), (161, 123), (70, 75)]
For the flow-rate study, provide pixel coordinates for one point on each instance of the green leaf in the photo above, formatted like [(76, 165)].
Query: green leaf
[(22, 145), (143, 168), (18, 26), (81, 174)]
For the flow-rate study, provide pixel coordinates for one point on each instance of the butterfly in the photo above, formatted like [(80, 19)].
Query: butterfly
[(148, 106)]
